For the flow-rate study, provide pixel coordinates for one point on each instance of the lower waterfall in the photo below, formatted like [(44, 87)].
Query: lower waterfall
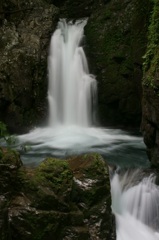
[(135, 203)]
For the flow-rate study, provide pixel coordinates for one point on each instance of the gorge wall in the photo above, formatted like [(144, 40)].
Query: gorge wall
[(115, 43), (25, 30), (150, 102), (117, 37)]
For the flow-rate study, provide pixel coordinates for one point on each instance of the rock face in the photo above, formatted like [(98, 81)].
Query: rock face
[(116, 38), (58, 200), (150, 117), (25, 30)]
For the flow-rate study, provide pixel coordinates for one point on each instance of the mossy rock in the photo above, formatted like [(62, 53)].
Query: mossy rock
[(55, 173), (49, 185), (47, 202), (90, 165), (10, 158), (91, 178)]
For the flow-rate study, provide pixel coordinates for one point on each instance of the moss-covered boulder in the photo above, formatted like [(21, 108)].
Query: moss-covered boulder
[(25, 31), (60, 199), (150, 102), (90, 193)]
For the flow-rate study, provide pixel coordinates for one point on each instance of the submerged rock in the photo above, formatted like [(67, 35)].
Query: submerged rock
[(60, 199)]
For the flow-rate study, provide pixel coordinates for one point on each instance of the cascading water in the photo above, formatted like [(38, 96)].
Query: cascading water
[(71, 88), (72, 99), (135, 203)]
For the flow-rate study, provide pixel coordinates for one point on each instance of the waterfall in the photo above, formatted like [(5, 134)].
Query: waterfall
[(72, 89), (135, 203), (72, 96)]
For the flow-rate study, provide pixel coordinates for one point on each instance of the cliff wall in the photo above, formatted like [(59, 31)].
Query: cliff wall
[(150, 101), (25, 31)]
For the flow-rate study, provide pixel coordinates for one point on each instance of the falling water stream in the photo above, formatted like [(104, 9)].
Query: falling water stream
[(72, 100), (135, 203), (71, 88)]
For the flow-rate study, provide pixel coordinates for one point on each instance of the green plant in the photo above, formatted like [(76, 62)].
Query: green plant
[(5, 135)]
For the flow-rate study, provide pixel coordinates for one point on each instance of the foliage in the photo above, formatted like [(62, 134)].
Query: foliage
[(151, 58), (3, 129), (55, 174), (10, 139), (5, 135)]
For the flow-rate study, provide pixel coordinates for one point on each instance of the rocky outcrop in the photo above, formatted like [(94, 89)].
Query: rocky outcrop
[(25, 30), (57, 200), (116, 38), (150, 102)]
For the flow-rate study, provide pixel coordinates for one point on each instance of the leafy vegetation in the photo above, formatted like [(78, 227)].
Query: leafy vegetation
[(151, 58), (4, 134)]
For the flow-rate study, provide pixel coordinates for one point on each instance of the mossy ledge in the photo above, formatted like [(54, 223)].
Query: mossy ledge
[(60, 199)]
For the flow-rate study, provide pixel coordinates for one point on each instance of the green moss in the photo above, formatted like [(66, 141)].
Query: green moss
[(151, 58), (10, 157), (54, 173)]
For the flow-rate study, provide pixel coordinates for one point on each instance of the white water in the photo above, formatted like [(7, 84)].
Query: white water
[(135, 203), (72, 90)]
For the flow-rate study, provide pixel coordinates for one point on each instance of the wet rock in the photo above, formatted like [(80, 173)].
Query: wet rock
[(91, 179)]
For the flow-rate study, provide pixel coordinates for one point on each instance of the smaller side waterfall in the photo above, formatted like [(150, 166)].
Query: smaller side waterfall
[(72, 90), (135, 204)]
